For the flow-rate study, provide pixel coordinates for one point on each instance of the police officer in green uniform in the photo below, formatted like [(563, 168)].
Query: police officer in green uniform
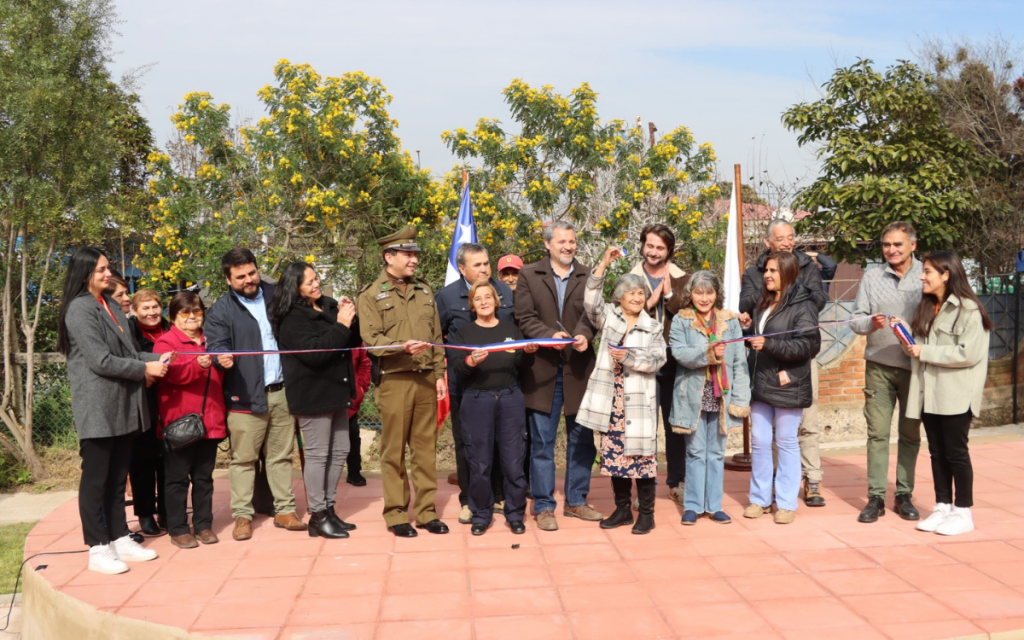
[(398, 309)]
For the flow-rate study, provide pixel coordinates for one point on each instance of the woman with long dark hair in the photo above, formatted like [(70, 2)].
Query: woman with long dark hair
[(948, 365), (780, 380), (108, 376), (320, 387)]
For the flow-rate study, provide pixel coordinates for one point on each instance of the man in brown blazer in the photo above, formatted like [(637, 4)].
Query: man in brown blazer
[(549, 304)]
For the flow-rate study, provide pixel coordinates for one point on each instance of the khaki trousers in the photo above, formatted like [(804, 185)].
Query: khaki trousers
[(884, 386), (407, 403), (810, 432), (249, 432)]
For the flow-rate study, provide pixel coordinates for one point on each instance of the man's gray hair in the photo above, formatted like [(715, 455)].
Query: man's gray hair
[(899, 225), (629, 282), (549, 231), (776, 222), (703, 281), (468, 247)]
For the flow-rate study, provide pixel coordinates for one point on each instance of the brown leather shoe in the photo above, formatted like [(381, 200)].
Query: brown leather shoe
[(289, 521), (184, 541), (243, 529), (207, 536), (453, 478), (583, 512)]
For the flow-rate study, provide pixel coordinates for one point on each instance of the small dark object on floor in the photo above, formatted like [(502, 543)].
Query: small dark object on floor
[(137, 537), (41, 567), (515, 546)]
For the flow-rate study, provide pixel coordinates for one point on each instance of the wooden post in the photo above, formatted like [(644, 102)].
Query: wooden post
[(740, 461), (651, 128), (465, 178)]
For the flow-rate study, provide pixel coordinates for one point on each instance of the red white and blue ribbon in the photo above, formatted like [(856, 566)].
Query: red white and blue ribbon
[(497, 346)]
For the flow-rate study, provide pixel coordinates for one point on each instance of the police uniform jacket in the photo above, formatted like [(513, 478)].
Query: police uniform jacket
[(389, 317)]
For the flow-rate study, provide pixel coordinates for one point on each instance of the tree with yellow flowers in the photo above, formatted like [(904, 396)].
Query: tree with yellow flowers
[(318, 178), (566, 163)]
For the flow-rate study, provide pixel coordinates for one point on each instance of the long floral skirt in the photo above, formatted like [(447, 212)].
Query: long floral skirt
[(614, 462)]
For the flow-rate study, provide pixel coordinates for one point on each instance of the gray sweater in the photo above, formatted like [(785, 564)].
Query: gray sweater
[(883, 291)]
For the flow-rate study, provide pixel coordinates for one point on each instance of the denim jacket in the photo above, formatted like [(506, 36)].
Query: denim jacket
[(693, 359)]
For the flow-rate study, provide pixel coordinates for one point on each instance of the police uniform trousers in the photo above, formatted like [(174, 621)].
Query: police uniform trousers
[(408, 411)]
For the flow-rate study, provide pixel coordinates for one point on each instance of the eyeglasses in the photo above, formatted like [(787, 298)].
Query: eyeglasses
[(192, 312)]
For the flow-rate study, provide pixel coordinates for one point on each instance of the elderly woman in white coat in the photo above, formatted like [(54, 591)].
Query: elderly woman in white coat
[(621, 397)]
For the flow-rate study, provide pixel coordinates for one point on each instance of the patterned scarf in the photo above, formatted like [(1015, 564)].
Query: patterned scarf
[(719, 378)]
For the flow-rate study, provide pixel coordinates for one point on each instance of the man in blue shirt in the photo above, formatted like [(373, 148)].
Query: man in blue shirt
[(254, 391)]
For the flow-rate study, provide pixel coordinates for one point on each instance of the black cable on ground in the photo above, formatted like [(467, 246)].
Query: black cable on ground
[(17, 580)]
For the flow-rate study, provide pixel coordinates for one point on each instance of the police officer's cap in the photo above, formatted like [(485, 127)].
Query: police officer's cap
[(404, 240)]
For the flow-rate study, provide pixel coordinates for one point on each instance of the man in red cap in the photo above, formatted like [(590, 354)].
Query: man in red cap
[(508, 270)]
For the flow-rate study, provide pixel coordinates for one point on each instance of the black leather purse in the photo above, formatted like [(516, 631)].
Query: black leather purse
[(188, 429)]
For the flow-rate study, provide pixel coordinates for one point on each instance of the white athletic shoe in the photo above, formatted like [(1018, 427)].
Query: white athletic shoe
[(103, 559), (130, 551), (960, 521), (932, 522)]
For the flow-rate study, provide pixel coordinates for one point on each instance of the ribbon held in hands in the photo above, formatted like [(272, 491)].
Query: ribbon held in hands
[(497, 346)]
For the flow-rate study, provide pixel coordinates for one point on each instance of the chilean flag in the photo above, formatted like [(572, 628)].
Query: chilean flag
[(465, 231)]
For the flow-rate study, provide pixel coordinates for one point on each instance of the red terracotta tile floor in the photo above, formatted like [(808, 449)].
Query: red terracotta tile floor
[(826, 575)]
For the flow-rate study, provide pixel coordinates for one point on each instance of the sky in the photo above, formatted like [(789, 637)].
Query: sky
[(725, 69)]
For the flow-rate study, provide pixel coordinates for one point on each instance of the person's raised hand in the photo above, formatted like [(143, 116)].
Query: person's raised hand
[(346, 312), (744, 319)]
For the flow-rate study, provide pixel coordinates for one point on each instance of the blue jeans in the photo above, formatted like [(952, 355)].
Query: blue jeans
[(787, 481), (579, 456), (705, 465)]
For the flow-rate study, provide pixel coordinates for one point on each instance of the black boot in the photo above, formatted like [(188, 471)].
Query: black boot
[(320, 524), (874, 508), (338, 522), (623, 513), (645, 520), (149, 526)]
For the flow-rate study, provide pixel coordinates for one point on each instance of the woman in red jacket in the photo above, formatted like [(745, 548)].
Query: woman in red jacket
[(181, 392)]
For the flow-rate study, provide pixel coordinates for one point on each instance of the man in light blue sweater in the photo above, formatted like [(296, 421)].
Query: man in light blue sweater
[(892, 290)]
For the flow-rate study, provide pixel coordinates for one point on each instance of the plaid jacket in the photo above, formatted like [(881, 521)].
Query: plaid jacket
[(641, 365)]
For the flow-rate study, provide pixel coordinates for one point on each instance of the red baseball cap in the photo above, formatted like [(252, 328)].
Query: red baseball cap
[(511, 261)]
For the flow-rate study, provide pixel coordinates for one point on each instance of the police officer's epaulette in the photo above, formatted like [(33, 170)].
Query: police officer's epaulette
[(363, 290)]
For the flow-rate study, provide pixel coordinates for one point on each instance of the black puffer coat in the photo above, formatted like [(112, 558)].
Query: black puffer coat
[(316, 383), (791, 352)]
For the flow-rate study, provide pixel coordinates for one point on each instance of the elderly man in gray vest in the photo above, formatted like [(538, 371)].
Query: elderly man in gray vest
[(892, 290)]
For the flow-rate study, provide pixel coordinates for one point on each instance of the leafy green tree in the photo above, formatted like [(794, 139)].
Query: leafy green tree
[(57, 171), (886, 154), (318, 178), (566, 163)]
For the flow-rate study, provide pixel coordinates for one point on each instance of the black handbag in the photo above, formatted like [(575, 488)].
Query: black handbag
[(188, 429)]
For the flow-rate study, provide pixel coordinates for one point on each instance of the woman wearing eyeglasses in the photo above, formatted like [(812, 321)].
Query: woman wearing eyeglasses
[(183, 391)]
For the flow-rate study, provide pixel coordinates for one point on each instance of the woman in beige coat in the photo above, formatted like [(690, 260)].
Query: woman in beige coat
[(948, 366), (621, 397)]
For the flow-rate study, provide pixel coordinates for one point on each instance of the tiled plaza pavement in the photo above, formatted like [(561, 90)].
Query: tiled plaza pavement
[(825, 576)]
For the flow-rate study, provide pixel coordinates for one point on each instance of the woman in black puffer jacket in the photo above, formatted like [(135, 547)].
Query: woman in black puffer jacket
[(780, 375), (319, 387)]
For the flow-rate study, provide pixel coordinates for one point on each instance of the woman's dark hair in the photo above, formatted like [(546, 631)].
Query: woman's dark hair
[(958, 285), (184, 301), (286, 294), (80, 269), (789, 271), (662, 231), (115, 282)]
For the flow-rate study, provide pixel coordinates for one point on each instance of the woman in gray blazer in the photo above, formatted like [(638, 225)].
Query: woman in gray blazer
[(108, 376)]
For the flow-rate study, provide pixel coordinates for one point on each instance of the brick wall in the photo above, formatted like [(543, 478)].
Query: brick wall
[(841, 384)]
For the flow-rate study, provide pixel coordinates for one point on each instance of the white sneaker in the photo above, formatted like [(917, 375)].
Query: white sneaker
[(130, 551), (960, 521), (103, 559), (932, 522)]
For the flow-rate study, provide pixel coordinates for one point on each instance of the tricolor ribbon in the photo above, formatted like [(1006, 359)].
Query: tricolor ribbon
[(497, 346)]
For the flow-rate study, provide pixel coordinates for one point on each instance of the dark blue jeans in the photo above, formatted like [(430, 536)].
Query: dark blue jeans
[(495, 416), (579, 456)]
